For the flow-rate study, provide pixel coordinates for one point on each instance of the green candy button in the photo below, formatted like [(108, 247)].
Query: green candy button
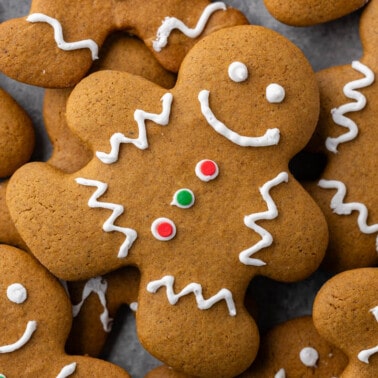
[(183, 198)]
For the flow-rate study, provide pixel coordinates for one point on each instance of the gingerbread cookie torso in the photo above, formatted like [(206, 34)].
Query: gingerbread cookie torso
[(191, 185)]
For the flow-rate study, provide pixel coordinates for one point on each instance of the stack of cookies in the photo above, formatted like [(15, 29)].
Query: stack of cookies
[(183, 233)]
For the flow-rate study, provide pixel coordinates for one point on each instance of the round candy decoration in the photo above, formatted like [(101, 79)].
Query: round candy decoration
[(163, 229), (207, 170), (183, 198)]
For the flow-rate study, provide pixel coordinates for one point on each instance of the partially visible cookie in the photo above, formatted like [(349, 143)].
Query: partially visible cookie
[(311, 12), (346, 315)]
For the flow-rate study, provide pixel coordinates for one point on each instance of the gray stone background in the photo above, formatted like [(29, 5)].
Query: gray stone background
[(330, 44)]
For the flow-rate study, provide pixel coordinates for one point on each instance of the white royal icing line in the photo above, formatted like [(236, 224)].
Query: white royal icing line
[(24, 339), (99, 286), (280, 373), (250, 221), (309, 356), (364, 355), (117, 210), (58, 35), (171, 23), (17, 293), (140, 116), (67, 370), (271, 136), (196, 289), (238, 72), (341, 208), (338, 114)]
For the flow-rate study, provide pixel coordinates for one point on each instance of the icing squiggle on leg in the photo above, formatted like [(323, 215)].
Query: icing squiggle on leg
[(141, 142), (340, 208), (196, 289), (270, 138), (250, 221), (364, 355), (99, 286), (58, 35), (171, 23), (117, 209), (67, 370), (338, 114)]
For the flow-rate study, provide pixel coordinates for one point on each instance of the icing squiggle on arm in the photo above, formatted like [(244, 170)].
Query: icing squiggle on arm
[(99, 286), (141, 142), (117, 209), (338, 114), (196, 289), (67, 371), (270, 138), (364, 355), (250, 221), (171, 23), (24, 339), (58, 35), (340, 208)]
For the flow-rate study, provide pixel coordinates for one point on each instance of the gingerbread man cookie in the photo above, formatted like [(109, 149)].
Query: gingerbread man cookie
[(35, 319), (347, 135), (17, 140), (71, 43), (311, 12), (346, 315), (120, 52), (192, 186)]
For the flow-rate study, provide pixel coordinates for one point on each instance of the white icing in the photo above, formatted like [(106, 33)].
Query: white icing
[(171, 23), (341, 208), (67, 370), (99, 286), (309, 356), (238, 72), (117, 210), (156, 223), (134, 306), (250, 221), (280, 373), (196, 289), (203, 177), (140, 116), (17, 293), (364, 355), (338, 114), (24, 339), (271, 136), (176, 203), (275, 93), (58, 35)]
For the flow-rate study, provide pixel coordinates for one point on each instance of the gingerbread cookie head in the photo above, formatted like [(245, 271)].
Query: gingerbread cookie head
[(347, 135), (311, 12), (346, 314), (168, 28), (35, 319), (191, 185)]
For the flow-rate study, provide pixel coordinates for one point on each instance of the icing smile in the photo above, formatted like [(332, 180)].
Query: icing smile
[(24, 339), (270, 138)]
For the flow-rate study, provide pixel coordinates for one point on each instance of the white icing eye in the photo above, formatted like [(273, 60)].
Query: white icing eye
[(163, 229), (238, 72), (17, 293), (275, 93)]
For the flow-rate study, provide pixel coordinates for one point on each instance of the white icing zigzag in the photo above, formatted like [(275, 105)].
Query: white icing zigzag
[(117, 209), (364, 355), (99, 286), (341, 208), (196, 289), (58, 35), (270, 138), (67, 370), (171, 23), (250, 221), (141, 142), (338, 113)]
